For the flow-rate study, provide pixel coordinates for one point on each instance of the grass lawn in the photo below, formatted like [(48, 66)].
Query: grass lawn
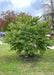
[(11, 64), (1, 38)]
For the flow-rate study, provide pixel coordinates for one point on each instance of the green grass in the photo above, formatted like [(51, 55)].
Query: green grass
[(1, 38), (11, 64), (52, 42)]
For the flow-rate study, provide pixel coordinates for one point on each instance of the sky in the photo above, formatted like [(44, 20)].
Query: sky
[(32, 7)]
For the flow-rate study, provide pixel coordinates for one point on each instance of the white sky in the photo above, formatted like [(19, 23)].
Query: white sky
[(28, 6), (21, 3)]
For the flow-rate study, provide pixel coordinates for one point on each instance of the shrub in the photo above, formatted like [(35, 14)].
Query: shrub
[(28, 36)]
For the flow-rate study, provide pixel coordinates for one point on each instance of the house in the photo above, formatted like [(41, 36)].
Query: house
[(52, 34)]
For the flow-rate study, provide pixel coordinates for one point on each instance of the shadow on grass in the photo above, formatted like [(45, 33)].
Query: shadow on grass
[(33, 60), (14, 58)]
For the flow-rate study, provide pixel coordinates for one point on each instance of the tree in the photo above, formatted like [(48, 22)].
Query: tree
[(28, 36), (3, 24), (49, 12), (11, 16)]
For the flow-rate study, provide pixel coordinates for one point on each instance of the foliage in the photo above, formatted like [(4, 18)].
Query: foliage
[(3, 24), (28, 36), (8, 17)]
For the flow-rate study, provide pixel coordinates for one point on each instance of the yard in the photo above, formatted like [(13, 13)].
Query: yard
[(12, 64)]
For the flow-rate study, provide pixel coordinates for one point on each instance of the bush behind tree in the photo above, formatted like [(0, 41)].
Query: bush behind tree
[(8, 17), (28, 35)]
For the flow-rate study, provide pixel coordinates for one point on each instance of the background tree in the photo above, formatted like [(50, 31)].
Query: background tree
[(11, 16), (3, 24), (49, 12)]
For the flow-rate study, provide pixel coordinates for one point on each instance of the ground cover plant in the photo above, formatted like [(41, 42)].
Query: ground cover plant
[(28, 36)]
